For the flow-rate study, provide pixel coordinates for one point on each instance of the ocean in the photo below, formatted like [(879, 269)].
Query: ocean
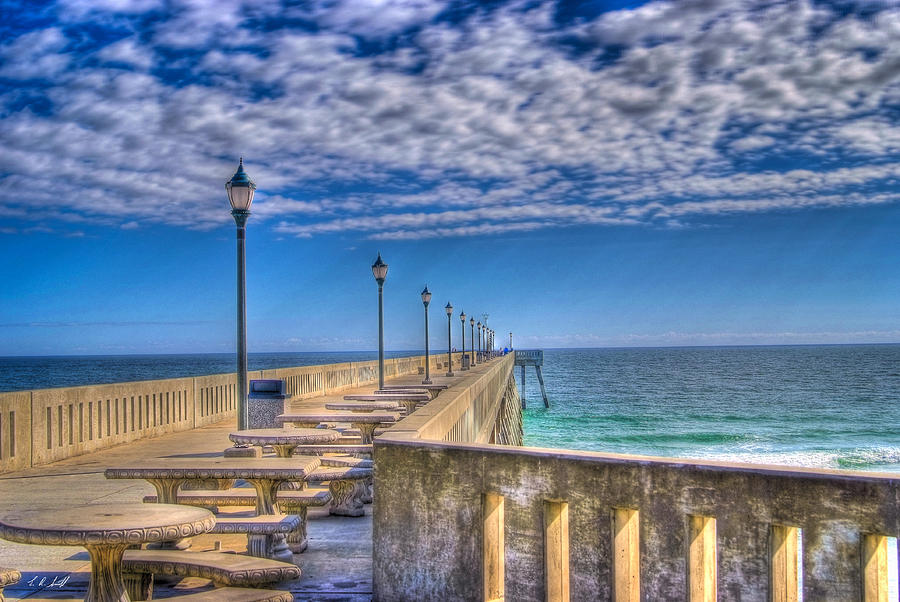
[(835, 406), (823, 406), (41, 372)]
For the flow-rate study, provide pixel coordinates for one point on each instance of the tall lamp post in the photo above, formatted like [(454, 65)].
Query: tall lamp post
[(462, 361), (240, 190), (478, 324), (449, 309), (426, 299), (472, 332), (379, 270)]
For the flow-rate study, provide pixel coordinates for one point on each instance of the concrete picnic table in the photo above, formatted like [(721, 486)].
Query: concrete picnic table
[(389, 396), (366, 423), (433, 390), (106, 530), (265, 474), (409, 400), (284, 441), (362, 406)]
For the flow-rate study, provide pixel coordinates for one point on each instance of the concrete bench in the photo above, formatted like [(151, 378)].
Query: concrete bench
[(139, 567), (290, 501), (423, 387), (241, 496), (337, 461), (366, 495), (351, 449), (298, 505), (265, 534), (347, 485), (8, 577)]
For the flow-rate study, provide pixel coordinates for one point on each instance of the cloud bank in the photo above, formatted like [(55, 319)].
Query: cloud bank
[(413, 119)]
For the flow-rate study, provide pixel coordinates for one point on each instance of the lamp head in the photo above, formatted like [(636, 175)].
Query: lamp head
[(240, 189), (449, 309), (426, 296), (471, 321), (462, 316), (379, 270)]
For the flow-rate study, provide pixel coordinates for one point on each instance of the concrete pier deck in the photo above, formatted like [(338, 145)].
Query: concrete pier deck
[(337, 565)]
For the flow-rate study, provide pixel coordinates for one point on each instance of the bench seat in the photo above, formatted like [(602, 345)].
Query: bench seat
[(265, 534), (349, 487), (340, 461), (240, 496), (139, 567), (318, 450), (255, 525)]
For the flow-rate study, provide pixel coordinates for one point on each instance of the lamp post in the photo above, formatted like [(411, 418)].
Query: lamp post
[(510, 341), (240, 189), (472, 332), (379, 270), (426, 299), (462, 361), (479, 340), (449, 309)]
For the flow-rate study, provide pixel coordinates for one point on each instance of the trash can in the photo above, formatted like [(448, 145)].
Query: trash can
[(264, 403)]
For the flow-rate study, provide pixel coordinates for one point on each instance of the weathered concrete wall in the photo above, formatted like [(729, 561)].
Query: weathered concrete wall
[(590, 526), (15, 430), (46, 425), (433, 548)]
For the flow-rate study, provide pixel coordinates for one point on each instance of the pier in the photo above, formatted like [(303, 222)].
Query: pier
[(532, 357), (461, 510)]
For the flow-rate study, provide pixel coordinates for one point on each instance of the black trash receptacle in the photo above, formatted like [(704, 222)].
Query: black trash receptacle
[(264, 403)]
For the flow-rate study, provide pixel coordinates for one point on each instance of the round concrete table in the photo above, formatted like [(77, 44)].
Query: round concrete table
[(362, 406), (284, 441), (366, 423), (106, 530)]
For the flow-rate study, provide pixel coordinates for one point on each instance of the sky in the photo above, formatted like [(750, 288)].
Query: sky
[(587, 174)]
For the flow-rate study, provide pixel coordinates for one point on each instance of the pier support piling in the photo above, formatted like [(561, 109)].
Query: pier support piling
[(532, 357)]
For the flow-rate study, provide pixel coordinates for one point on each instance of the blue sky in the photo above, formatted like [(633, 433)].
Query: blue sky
[(588, 174)]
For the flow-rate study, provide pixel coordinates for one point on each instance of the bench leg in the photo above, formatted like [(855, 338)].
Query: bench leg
[(364, 490), (269, 546), (344, 499), (298, 540), (139, 585)]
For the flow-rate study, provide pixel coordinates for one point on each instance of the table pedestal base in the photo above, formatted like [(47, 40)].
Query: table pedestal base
[(106, 573), (366, 430)]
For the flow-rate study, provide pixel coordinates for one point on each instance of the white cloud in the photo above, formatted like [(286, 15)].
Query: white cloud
[(129, 52), (504, 127)]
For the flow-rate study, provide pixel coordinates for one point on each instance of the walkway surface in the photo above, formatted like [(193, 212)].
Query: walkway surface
[(337, 566)]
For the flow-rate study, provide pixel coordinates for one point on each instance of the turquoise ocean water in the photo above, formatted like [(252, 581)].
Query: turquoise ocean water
[(817, 406)]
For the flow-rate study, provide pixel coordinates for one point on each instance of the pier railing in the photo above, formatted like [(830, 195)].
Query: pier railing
[(46, 425), (458, 518)]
